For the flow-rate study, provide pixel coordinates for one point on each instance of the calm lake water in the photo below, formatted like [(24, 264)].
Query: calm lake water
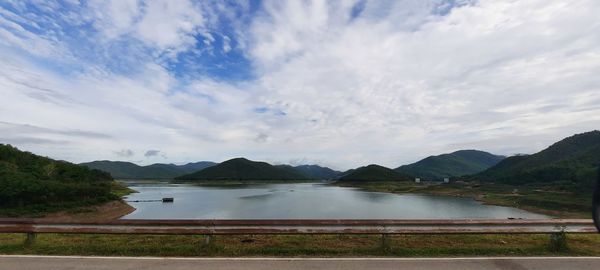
[(302, 201)]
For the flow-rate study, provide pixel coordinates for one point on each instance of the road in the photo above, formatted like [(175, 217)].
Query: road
[(8, 262)]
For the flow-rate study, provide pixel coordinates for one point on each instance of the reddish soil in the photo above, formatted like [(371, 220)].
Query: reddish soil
[(104, 212)]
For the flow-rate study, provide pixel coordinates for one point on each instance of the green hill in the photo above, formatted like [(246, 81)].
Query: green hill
[(571, 161), (318, 172), (373, 173), (459, 163), (195, 166), (36, 183), (244, 169), (128, 170)]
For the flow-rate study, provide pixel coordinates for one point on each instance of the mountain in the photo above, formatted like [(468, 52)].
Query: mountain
[(39, 183), (573, 160), (318, 172), (128, 170), (459, 163), (373, 173), (244, 169), (195, 166)]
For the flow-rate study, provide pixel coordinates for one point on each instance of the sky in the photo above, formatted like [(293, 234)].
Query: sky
[(338, 83)]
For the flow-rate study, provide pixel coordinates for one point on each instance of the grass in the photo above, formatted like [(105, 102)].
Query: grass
[(535, 198), (120, 189), (300, 245)]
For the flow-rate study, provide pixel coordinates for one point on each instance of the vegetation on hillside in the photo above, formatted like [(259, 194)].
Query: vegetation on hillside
[(31, 183), (318, 172), (571, 163), (374, 173), (459, 163), (128, 170), (244, 169)]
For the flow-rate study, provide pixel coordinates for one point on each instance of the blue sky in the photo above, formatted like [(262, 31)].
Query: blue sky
[(338, 83)]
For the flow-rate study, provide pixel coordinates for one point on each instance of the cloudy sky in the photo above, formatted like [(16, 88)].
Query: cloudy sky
[(339, 83)]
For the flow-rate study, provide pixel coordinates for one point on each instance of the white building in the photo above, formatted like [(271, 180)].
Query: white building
[(417, 180), (446, 180)]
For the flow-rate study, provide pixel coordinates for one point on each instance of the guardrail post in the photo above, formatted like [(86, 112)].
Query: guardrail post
[(30, 239), (385, 241), (558, 241), (207, 239)]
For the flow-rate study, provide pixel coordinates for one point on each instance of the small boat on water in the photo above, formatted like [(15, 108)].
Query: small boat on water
[(168, 200)]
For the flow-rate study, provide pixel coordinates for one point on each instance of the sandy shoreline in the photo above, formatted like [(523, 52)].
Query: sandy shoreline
[(104, 212)]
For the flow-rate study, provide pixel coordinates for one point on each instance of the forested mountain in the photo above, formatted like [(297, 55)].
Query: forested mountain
[(195, 166), (318, 172), (128, 170), (573, 161), (373, 173), (34, 182), (459, 163), (244, 169)]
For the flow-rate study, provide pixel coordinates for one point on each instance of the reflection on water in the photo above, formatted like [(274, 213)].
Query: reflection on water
[(301, 201)]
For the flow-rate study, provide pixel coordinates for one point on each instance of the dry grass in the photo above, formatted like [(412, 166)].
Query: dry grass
[(299, 245)]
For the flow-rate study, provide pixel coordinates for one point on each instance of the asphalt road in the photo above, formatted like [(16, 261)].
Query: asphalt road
[(122, 263)]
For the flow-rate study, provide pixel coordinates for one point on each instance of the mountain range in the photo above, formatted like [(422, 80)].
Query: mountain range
[(573, 160), (128, 170), (374, 172), (448, 165), (459, 163), (318, 172)]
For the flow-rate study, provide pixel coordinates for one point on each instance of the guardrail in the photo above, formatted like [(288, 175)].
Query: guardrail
[(253, 227)]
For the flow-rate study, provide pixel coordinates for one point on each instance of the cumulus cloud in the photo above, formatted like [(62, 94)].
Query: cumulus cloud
[(346, 83), (163, 24)]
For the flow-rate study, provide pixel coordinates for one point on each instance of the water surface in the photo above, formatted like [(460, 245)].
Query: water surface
[(302, 201)]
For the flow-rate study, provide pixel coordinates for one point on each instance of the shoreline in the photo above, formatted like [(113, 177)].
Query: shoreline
[(498, 198), (98, 213)]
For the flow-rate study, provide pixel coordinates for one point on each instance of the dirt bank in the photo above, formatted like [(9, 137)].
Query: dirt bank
[(104, 212)]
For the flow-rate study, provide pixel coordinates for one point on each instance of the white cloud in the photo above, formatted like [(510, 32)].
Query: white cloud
[(160, 24), (226, 44), (168, 23), (395, 84), (115, 17), (407, 92)]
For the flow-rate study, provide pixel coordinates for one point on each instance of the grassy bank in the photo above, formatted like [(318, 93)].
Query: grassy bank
[(547, 200), (299, 245)]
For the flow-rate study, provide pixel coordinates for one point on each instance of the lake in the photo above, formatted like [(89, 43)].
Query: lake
[(302, 201)]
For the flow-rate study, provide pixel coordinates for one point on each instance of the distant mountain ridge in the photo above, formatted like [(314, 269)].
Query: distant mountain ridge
[(244, 169), (459, 163), (573, 160), (373, 172), (128, 170), (318, 172)]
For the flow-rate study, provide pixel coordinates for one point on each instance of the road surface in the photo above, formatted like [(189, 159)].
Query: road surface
[(122, 263)]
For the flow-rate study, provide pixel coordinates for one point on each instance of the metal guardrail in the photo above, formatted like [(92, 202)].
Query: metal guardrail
[(237, 227)]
